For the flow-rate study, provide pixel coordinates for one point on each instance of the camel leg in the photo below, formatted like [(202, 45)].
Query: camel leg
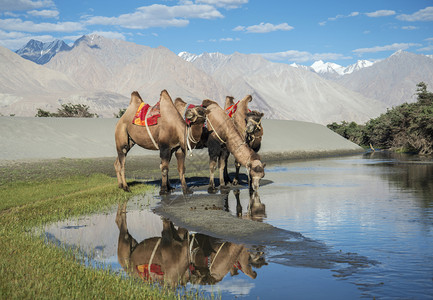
[(165, 155), (212, 166), (238, 203), (126, 242), (236, 179), (119, 166), (180, 156), (224, 177)]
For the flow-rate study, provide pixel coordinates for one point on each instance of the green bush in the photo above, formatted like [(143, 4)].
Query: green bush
[(407, 127)]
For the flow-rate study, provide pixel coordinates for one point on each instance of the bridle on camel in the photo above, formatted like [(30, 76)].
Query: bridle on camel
[(188, 135)]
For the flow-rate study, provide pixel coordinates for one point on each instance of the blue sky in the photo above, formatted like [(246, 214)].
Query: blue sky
[(287, 31)]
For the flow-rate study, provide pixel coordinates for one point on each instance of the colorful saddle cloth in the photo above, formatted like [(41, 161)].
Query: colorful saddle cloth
[(153, 113), (232, 109), (155, 272)]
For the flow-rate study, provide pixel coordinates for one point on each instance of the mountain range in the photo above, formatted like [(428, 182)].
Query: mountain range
[(102, 72)]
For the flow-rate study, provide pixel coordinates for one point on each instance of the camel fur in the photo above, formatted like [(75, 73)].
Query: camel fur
[(222, 134), (171, 135), (249, 126)]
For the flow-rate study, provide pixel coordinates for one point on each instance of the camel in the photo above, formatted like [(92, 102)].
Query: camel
[(249, 126), (213, 259), (222, 134), (170, 135), (162, 259), (178, 257)]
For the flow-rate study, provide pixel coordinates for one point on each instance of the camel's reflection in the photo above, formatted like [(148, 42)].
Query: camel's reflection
[(256, 210), (178, 257)]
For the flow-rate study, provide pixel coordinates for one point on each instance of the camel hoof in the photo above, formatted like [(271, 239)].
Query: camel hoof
[(212, 190), (164, 192), (188, 191), (125, 188), (224, 187)]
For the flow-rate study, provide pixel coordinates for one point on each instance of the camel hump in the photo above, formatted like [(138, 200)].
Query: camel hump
[(229, 101), (247, 98), (179, 100), (207, 102), (136, 94), (165, 96), (135, 98)]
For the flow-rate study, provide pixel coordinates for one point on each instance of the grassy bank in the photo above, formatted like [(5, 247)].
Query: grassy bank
[(30, 268)]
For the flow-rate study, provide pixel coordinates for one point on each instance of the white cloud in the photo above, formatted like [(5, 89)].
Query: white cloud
[(409, 27), (425, 49), (157, 15), (302, 56), (229, 39), (425, 14), (44, 13), (15, 5), (15, 40), (264, 28), (392, 47), (352, 14), (228, 4), (110, 34), (380, 13), (29, 26)]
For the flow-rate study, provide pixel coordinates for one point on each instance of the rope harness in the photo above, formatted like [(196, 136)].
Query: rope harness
[(148, 131), (213, 129)]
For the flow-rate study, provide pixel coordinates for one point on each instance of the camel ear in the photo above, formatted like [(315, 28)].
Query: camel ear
[(261, 115), (208, 102), (264, 165)]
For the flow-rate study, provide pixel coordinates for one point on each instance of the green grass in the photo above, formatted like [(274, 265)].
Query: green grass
[(31, 268)]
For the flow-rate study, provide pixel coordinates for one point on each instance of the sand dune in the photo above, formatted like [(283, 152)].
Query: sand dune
[(50, 138)]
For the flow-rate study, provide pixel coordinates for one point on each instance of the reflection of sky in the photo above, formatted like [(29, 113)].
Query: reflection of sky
[(349, 204), (233, 286)]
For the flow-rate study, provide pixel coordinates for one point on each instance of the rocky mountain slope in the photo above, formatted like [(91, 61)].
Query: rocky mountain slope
[(284, 92), (40, 52), (102, 72)]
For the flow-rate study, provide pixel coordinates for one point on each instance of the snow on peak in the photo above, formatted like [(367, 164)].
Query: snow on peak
[(328, 67)]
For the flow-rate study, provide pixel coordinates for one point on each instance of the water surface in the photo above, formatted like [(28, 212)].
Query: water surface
[(352, 227)]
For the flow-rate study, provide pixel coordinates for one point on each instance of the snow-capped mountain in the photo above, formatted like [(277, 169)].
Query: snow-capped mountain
[(40, 52), (360, 64), (321, 67)]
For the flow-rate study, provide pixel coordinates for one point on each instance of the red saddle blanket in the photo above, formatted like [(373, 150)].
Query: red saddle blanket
[(155, 271), (152, 116), (232, 109)]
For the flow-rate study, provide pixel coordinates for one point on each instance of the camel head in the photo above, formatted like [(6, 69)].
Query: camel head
[(253, 120), (196, 115), (256, 171)]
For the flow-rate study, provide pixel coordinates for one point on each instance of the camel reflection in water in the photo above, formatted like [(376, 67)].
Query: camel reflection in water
[(179, 257), (256, 210)]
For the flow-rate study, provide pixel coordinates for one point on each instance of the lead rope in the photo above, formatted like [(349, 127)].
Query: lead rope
[(213, 260), (148, 130), (208, 120), (153, 254)]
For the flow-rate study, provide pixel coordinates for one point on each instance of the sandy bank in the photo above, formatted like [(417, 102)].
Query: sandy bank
[(50, 138)]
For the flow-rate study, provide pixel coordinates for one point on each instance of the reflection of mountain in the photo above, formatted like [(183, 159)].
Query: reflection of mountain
[(411, 173)]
